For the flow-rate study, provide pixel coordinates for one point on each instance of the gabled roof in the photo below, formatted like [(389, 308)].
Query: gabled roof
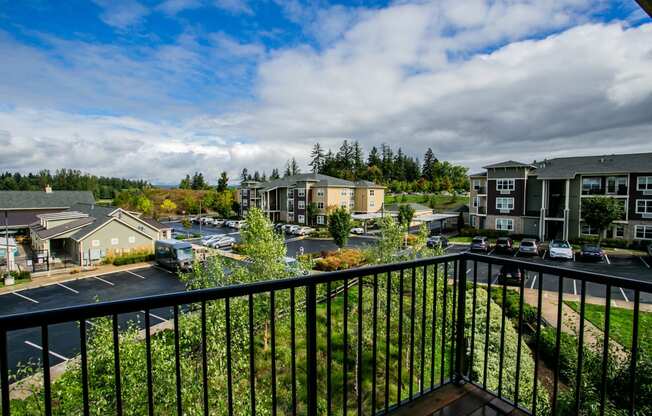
[(319, 180), (43, 200), (154, 223), (44, 233), (508, 164), (478, 175), (569, 167)]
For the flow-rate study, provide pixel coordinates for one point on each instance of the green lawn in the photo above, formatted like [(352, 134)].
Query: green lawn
[(620, 324), (441, 202)]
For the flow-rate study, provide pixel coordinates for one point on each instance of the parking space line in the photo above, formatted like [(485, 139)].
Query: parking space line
[(135, 274), (495, 279), (491, 252), (90, 323), (644, 262), (544, 254), (607, 258), (515, 254), (102, 280), (156, 316), (52, 353), (533, 281), (162, 269), (575, 287), (25, 297), (613, 303), (467, 272), (624, 295), (67, 288)]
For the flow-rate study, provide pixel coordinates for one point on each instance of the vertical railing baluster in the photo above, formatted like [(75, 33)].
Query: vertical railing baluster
[(204, 357), (453, 348), (116, 364), (329, 363), (359, 349), (148, 353), (475, 293), (84, 366), (520, 335), (177, 360), (634, 355), (605, 351), (580, 350), (345, 349), (502, 342), (537, 345), (387, 338), (560, 298), (442, 369), (252, 363), (412, 316), (47, 394), (4, 374), (229, 368), (311, 348), (374, 341), (400, 337), (487, 328), (293, 349), (272, 330), (422, 354), (461, 321), (433, 334)]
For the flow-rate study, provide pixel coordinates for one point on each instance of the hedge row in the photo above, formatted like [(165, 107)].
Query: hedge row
[(341, 260), (133, 258), (615, 243)]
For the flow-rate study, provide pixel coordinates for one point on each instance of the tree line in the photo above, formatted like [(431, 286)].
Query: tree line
[(69, 180), (395, 169)]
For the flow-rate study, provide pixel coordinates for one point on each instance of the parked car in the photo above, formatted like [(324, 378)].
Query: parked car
[(480, 244), (357, 230), (529, 247), (510, 274), (560, 249), (278, 227), (218, 222), (304, 231), (292, 229), (208, 240), (649, 250), (591, 252), (437, 241), (223, 242), (504, 245)]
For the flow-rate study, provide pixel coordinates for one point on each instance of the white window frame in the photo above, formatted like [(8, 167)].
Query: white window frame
[(643, 232), (291, 217), (301, 192), (617, 182), (320, 192), (343, 204), (132, 239), (508, 185), (320, 205), (504, 224), (501, 200), (301, 205), (590, 230), (115, 241), (619, 231), (647, 206), (372, 203), (351, 193), (351, 204), (320, 220), (476, 201), (301, 219), (371, 192), (95, 243), (472, 220), (343, 193), (644, 184)]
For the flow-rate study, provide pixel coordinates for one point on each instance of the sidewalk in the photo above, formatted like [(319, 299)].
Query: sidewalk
[(66, 277)]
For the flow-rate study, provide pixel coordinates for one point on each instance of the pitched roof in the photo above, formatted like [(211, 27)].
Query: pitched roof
[(569, 167), (44, 233), (508, 164), (416, 206), (154, 223), (43, 200), (319, 180), (478, 175)]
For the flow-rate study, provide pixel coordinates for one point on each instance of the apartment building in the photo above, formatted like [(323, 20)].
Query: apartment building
[(288, 199), (544, 199)]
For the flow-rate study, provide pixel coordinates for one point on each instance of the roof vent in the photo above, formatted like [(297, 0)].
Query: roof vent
[(48, 189)]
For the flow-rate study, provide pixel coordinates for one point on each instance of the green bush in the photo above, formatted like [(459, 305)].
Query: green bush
[(133, 258), (512, 306), (21, 275)]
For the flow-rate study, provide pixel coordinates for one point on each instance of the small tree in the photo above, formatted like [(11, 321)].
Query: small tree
[(390, 241), (264, 248), (339, 225), (222, 182), (405, 215), (168, 206), (311, 212), (600, 212)]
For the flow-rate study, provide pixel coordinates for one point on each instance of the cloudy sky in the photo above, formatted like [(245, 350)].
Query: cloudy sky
[(157, 89)]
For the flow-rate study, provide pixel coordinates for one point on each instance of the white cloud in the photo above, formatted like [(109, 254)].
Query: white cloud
[(172, 7), (122, 14), (234, 6)]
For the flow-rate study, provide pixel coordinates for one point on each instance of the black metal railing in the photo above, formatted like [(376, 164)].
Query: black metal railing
[(364, 341)]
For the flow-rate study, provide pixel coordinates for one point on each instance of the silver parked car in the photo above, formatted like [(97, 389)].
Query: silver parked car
[(529, 247)]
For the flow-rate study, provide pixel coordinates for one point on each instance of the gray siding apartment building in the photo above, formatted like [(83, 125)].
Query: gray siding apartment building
[(544, 199)]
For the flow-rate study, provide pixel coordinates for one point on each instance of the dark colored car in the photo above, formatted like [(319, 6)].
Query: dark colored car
[(591, 252), (480, 244), (437, 241), (510, 274), (649, 250), (504, 245)]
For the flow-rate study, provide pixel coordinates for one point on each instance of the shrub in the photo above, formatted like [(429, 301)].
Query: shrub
[(132, 258), (512, 300), (340, 260), (321, 233), (21, 275)]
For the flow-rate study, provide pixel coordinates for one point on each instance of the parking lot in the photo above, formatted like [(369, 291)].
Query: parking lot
[(631, 267), (25, 346)]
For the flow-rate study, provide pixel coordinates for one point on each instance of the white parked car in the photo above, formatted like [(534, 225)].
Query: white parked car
[(304, 231), (239, 224), (208, 240), (218, 222), (357, 230), (292, 229), (223, 242), (229, 223), (560, 249)]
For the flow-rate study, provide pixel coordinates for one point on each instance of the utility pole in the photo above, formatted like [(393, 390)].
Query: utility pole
[(7, 241), (200, 217)]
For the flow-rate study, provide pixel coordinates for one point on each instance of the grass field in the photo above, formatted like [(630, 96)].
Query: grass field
[(620, 324), (441, 202)]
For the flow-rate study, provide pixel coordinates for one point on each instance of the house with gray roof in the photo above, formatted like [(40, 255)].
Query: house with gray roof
[(19, 209), (288, 199), (544, 198), (87, 233)]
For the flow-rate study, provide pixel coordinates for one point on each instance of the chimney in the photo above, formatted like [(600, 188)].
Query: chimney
[(48, 189)]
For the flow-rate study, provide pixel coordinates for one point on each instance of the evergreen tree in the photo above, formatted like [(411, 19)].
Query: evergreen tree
[(374, 158), (185, 183), (198, 182), (316, 158), (256, 176), (222, 182), (263, 178), (288, 170), (429, 160), (274, 175), (294, 167), (244, 175), (358, 162)]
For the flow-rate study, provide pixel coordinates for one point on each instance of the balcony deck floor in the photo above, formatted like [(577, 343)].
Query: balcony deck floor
[(453, 400)]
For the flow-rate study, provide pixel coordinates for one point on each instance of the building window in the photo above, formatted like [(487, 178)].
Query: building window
[(591, 186), (245, 192), (617, 185), (290, 217), (643, 232), (320, 192), (302, 205), (477, 184), (472, 220), (245, 202), (476, 201), (351, 193), (132, 239), (301, 192), (95, 243), (504, 224), (620, 230), (505, 185), (644, 206), (588, 230), (343, 204), (114, 241), (504, 204), (371, 192), (372, 203), (301, 219), (320, 219), (644, 183), (320, 205), (343, 193), (352, 204)]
